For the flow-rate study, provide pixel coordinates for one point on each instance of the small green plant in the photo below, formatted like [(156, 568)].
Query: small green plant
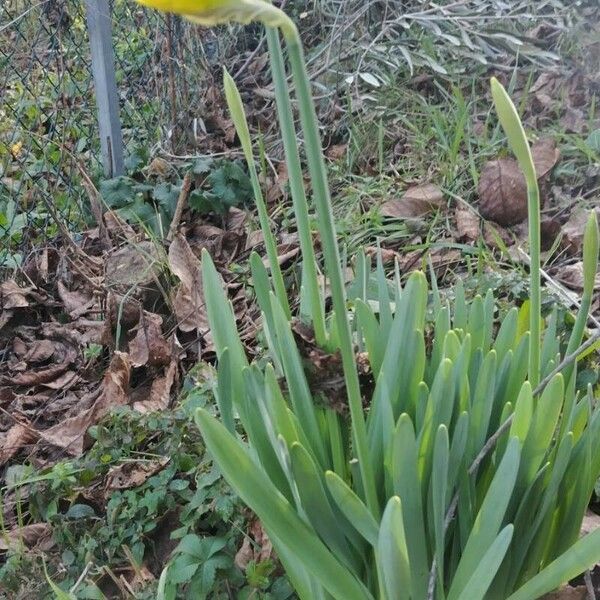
[(226, 185), (223, 184), (465, 471)]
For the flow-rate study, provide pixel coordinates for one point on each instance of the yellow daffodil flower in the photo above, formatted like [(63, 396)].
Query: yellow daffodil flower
[(214, 12)]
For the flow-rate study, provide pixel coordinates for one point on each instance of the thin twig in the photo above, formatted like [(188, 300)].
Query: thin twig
[(81, 577), (491, 442), (181, 204)]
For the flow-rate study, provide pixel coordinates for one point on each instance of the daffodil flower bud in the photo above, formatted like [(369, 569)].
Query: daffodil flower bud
[(590, 254)]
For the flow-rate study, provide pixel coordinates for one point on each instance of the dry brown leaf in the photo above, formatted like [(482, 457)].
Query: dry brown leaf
[(336, 151), (133, 474), (13, 296), (36, 534), (256, 546), (388, 256), (502, 192), (572, 276), (502, 188), (545, 155), (591, 522), (134, 264), (567, 593), (574, 228), (40, 377), (70, 433), (14, 439), (415, 202), (160, 392), (76, 302), (149, 346), (188, 302), (39, 351), (467, 224)]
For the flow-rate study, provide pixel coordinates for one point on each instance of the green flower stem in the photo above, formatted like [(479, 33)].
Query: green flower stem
[(236, 108), (318, 174), (511, 123), (591, 244), (533, 202), (288, 133)]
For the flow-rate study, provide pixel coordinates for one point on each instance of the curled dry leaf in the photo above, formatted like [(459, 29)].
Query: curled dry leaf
[(502, 192), (574, 228), (467, 224), (502, 188), (188, 302), (388, 256), (134, 264), (133, 474), (568, 593), (572, 276), (149, 346), (70, 433), (256, 546), (75, 302), (160, 392), (14, 439), (415, 202), (35, 535), (13, 296)]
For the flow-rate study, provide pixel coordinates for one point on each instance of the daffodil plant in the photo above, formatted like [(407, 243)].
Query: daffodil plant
[(465, 471)]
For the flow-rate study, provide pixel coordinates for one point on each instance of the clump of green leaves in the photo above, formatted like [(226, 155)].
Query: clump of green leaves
[(220, 185), (464, 473), (226, 185)]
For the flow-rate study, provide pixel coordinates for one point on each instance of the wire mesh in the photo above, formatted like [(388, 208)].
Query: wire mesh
[(48, 127)]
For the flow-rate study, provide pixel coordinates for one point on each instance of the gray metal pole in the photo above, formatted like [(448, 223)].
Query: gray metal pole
[(107, 99)]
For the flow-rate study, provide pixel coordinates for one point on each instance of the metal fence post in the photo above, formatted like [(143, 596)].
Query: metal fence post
[(107, 99)]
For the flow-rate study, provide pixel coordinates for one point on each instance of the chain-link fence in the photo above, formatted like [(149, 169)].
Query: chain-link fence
[(48, 116)]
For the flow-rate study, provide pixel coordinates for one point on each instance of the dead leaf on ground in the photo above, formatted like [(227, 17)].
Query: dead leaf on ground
[(12, 295), (567, 593), (70, 433), (336, 151), (134, 264), (388, 256), (35, 535), (188, 302), (75, 302), (415, 202), (545, 155), (160, 392), (502, 192), (133, 474), (574, 229), (14, 439), (149, 345), (467, 224), (591, 522), (256, 546), (572, 276), (502, 188), (441, 260)]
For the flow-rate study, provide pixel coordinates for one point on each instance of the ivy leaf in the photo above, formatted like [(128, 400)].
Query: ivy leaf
[(118, 192)]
